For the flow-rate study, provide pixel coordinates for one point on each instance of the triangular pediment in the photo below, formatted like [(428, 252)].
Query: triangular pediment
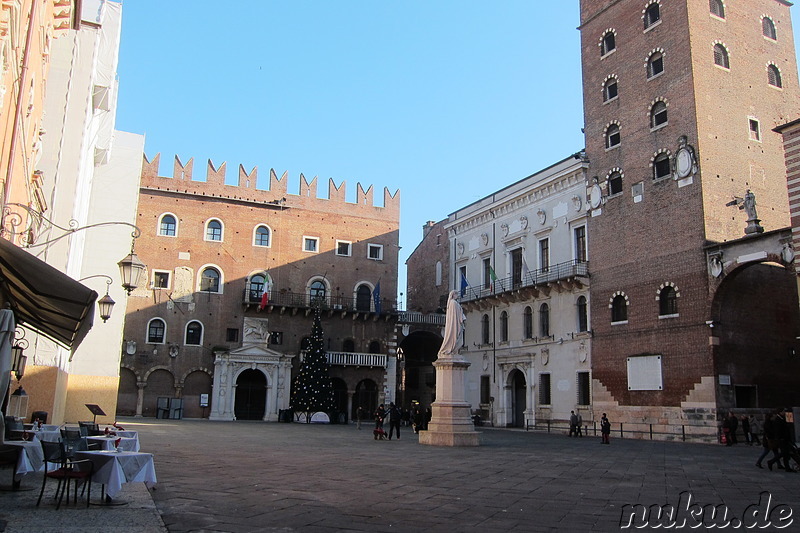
[(254, 353)]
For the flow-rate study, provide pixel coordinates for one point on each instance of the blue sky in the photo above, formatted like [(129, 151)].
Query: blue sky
[(445, 100)]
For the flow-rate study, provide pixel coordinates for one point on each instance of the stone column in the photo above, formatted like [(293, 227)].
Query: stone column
[(350, 415), (140, 385)]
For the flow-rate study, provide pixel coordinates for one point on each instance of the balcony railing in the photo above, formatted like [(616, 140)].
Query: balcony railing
[(543, 276), (412, 317), (353, 359), (303, 299)]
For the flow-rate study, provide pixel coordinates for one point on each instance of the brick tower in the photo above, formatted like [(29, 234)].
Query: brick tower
[(680, 100)]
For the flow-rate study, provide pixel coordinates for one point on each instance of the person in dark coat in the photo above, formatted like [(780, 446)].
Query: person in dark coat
[(380, 415), (605, 429), (394, 420), (417, 419), (734, 422), (746, 430), (783, 444), (767, 438)]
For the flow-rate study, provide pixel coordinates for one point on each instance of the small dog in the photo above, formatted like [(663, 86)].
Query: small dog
[(379, 434)]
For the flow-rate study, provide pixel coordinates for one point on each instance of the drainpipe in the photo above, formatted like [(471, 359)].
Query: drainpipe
[(23, 81)]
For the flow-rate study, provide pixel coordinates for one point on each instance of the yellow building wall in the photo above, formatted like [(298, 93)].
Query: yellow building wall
[(99, 390)]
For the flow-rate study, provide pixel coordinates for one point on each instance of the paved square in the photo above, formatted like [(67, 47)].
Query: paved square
[(246, 476)]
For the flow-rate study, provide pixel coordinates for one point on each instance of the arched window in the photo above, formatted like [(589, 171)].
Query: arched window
[(261, 236), (667, 301), (652, 14), (721, 56), (661, 168), (257, 283), (375, 347), (544, 320), (209, 280), (608, 44), (658, 114), (194, 333), (612, 136), (485, 329), (655, 64), (768, 28), (614, 183), (438, 273), (168, 226), (317, 292), (610, 89), (527, 322), (774, 76), (504, 326), (349, 345), (717, 8), (363, 298), (214, 230), (619, 309), (156, 331), (583, 315)]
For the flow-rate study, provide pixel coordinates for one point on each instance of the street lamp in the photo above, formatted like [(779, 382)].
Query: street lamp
[(106, 303)]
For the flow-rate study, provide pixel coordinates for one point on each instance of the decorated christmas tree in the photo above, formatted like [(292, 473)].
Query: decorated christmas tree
[(312, 390)]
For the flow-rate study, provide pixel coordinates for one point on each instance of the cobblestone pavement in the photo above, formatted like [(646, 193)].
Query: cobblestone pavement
[(243, 476), (249, 476)]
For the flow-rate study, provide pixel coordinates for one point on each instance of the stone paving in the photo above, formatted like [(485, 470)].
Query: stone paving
[(249, 476)]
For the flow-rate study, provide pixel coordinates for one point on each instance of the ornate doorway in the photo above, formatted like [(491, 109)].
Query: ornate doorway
[(251, 395)]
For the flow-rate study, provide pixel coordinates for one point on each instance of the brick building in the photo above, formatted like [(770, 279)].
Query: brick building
[(234, 276), (694, 310)]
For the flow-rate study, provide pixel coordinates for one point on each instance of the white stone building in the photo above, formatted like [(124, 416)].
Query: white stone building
[(519, 259)]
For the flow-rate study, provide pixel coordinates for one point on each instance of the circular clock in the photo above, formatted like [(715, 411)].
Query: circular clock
[(683, 163), (595, 196)]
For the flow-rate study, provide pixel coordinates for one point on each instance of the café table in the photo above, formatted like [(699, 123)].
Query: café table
[(127, 444), (112, 469), (47, 435), (31, 458)]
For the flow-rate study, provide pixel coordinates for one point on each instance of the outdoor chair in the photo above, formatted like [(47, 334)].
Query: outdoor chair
[(67, 470), (74, 441)]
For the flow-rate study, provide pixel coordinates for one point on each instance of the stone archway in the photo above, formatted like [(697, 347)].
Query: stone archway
[(250, 402), (753, 335), (418, 380), (366, 397)]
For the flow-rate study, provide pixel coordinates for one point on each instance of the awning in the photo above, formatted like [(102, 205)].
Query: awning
[(43, 298)]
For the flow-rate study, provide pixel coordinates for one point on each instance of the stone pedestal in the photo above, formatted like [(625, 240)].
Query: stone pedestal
[(451, 416)]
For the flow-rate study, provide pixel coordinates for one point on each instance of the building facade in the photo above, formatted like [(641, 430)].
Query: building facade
[(520, 263), (691, 303), (235, 274)]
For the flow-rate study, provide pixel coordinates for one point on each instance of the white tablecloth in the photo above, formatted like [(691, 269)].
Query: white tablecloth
[(32, 460), (112, 469), (128, 444), (48, 435)]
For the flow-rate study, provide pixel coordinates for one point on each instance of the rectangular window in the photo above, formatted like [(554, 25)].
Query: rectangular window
[(160, 279), (516, 267), (344, 248), (485, 391), (375, 252), (755, 130), (487, 273), (462, 280), (544, 389), (580, 244), (311, 244), (544, 254), (276, 337), (584, 397), (232, 335), (644, 373)]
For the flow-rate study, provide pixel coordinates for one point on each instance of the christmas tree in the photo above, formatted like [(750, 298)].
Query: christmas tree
[(312, 390)]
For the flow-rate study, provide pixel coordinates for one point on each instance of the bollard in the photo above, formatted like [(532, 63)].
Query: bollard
[(620, 430), (651, 431), (548, 425), (683, 433)]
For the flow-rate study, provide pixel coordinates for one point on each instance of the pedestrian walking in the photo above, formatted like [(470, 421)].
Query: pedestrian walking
[(768, 438), (734, 425), (783, 444), (380, 415), (579, 426), (394, 420), (755, 431), (359, 416), (605, 429)]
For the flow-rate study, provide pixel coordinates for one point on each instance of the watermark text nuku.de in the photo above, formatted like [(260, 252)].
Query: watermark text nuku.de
[(689, 514)]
